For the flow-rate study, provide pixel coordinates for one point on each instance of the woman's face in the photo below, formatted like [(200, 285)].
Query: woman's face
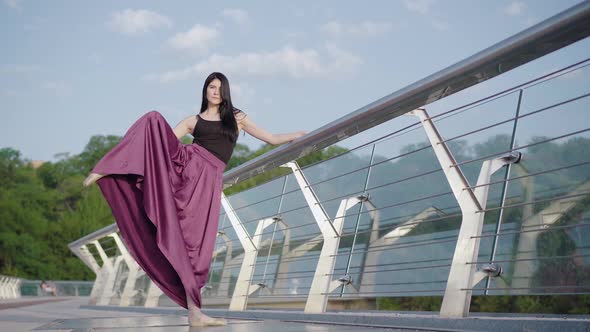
[(214, 92)]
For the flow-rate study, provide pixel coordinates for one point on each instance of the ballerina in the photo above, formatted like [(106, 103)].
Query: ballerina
[(166, 196)]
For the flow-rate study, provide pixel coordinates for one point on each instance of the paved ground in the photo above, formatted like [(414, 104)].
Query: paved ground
[(65, 314), (74, 314), (28, 313)]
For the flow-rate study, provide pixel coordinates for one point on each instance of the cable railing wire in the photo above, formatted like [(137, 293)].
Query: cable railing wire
[(541, 228), (426, 147), (521, 147), (457, 164)]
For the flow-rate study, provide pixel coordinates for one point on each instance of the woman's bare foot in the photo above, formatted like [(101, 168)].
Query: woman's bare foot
[(92, 178), (197, 318)]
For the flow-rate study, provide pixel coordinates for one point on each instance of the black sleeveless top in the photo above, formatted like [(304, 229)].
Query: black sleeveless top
[(208, 134)]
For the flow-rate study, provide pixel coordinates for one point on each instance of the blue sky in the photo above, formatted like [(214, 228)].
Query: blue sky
[(71, 69)]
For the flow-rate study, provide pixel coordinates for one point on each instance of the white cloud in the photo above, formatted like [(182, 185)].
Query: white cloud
[(363, 29), (171, 76), (424, 7), (239, 16), (241, 93), (197, 40), (18, 69), (14, 4), (340, 61), (419, 6), (59, 89), (285, 62), (515, 8), (133, 22)]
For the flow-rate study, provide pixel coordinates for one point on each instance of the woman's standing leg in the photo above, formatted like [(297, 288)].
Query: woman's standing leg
[(197, 318), (200, 231)]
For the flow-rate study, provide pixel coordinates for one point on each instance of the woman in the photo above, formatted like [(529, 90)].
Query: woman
[(48, 288), (166, 196)]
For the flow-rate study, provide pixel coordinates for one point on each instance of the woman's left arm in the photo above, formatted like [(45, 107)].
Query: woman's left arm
[(185, 126), (274, 139)]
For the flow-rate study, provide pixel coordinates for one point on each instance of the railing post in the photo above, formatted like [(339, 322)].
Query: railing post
[(239, 298), (105, 272), (224, 279), (152, 297), (108, 292), (462, 276), (323, 283), (133, 273), (244, 287)]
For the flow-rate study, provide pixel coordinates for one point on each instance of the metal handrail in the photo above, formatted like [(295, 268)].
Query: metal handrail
[(94, 236), (545, 37)]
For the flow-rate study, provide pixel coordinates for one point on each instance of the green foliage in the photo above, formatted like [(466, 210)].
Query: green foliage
[(421, 303), (44, 209), (242, 156), (96, 148), (555, 304)]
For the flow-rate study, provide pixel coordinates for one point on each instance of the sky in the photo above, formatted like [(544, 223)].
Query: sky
[(70, 70)]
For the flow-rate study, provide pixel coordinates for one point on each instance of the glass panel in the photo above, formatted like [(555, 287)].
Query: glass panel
[(120, 280), (543, 248), (556, 90), (110, 247), (141, 287), (484, 143), (417, 222), (296, 246), (342, 177), (264, 266), (409, 261), (94, 252), (257, 203), (555, 122), (223, 248), (356, 259), (227, 260)]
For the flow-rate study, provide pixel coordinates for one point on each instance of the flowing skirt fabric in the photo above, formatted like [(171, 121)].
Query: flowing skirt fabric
[(165, 197)]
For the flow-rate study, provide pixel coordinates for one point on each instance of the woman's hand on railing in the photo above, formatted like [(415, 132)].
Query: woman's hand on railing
[(298, 134)]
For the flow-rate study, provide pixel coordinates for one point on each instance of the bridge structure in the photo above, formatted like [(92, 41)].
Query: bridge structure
[(486, 198)]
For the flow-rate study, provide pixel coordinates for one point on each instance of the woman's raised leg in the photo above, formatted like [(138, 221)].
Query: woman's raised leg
[(92, 177)]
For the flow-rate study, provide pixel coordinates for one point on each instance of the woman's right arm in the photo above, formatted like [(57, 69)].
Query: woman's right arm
[(185, 126), (274, 139)]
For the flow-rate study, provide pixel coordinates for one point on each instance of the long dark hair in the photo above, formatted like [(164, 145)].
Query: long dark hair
[(229, 126)]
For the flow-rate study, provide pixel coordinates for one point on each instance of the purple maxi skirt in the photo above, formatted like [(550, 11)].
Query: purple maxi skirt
[(165, 197)]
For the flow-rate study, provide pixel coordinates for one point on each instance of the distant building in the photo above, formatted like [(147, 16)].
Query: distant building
[(37, 163)]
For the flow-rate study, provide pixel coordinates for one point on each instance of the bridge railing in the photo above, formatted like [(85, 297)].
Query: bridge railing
[(9, 287), (490, 197)]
